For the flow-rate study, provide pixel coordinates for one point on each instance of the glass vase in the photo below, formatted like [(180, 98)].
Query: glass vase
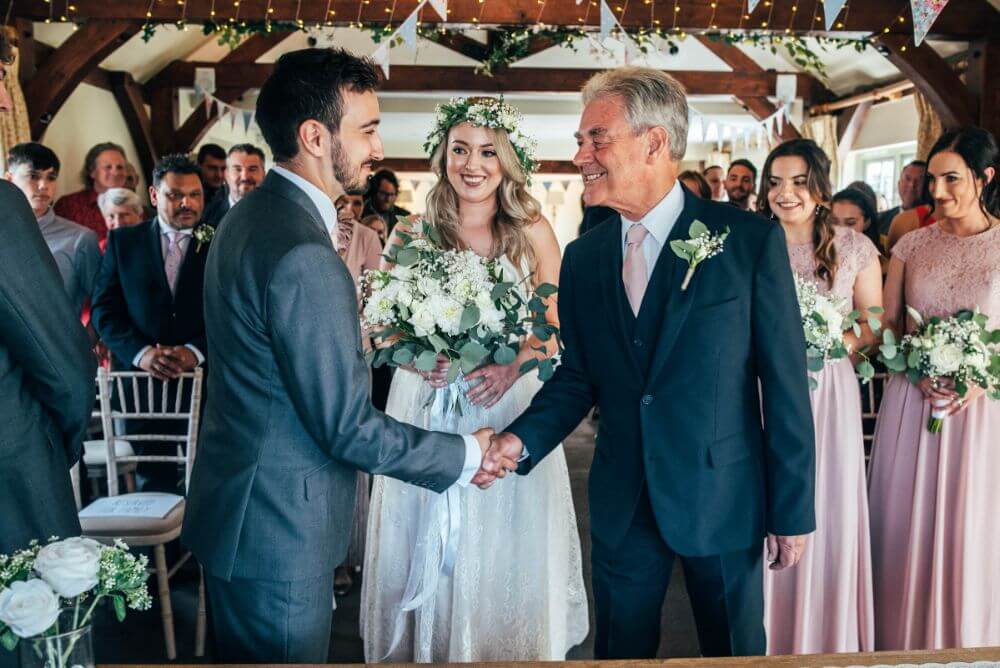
[(73, 648)]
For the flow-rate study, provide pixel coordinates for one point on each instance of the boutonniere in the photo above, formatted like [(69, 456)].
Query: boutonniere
[(203, 234), (700, 245)]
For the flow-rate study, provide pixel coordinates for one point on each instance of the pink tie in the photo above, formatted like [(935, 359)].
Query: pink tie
[(172, 263), (634, 269)]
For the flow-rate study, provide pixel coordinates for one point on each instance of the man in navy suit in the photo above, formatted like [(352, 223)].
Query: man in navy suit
[(147, 303), (684, 467)]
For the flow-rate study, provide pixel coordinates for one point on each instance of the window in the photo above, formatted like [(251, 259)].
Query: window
[(880, 174)]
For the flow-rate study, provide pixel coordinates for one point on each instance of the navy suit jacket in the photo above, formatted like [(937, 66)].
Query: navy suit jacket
[(132, 306), (689, 428)]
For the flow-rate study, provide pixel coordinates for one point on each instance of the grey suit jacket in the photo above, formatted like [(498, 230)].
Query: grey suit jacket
[(46, 383), (288, 420)]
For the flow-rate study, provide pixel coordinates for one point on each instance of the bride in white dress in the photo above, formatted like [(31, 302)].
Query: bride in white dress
[(491, 575)]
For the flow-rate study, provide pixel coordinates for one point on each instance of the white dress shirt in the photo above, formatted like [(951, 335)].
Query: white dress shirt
[(183, 241), (658, 222), (323, 203)]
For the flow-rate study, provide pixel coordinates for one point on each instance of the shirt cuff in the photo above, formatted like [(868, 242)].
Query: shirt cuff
[(197, 353), (473, 459), (138, 358)]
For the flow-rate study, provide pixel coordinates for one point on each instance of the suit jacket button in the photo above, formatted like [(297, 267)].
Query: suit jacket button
[(647, 400), (638, 343)]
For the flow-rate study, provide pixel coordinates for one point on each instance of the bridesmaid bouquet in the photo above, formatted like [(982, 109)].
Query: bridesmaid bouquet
[(49, 591), (825, 318), (453, 303), (960, 348)]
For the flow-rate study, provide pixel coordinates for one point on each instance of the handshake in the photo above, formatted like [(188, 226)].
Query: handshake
[(501, 453)]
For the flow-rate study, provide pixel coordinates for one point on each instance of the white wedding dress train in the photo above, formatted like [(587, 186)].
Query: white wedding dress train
[(512, 588)]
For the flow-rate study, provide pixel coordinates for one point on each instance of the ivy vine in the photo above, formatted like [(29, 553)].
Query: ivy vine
[(513, 44)]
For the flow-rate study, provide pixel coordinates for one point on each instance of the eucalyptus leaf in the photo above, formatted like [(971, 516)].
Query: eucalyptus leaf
[(542, 333), (682, 249), (866, 370), (813, 384), (888, 350), (856, 328), (402, 356), (470, 318), (876, 310), (407, 256), (915, 314), (500, 290), (440, 345), (453, 372), (889, 337), (546, 369), (875, 324), (697, 229), (473, 352), (546, 290), (119, 604), (814, 364), (504, 355), (529, 365), (896, 364), (426, 361), (961, 388)]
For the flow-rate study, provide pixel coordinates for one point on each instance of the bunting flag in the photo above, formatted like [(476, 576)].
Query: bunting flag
[(247, 119), (408, 30), (752, 5), (831, 10), (608, 20), (779, 121), (925, 13), (381, 56), (440, 6)]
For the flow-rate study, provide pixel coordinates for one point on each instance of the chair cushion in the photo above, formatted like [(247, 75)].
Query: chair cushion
[(95, 453), (126, 527)]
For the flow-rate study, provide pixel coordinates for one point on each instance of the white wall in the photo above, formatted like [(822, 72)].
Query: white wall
[(89, 116), (889, 123)]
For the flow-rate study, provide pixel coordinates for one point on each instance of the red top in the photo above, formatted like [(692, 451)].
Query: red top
[(925, 215), (81, 207)]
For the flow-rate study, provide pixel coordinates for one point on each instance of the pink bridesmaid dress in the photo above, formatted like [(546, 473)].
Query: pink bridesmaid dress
[(824, 604), (934, 503)]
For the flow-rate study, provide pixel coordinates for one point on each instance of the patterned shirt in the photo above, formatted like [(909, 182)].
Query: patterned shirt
[(75, 250), (81, 207)]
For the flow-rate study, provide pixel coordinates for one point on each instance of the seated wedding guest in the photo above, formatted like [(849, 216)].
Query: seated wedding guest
[(244, 172), (46, 377), (916, 218), (852, 207), (696, 183), (825, 604), (741, 182), (383, 189), (103, 168), (147, 304), (34, 169), (716, 178), (212, 161), (912, 191), (933, 496), (121, 208), (376, 223), (360, 249)]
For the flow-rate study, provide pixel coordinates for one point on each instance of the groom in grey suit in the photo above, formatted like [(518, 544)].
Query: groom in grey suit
[(46, 378), (288, 420)]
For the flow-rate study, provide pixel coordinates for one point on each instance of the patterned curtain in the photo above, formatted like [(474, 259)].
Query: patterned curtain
[(823, 131), (14, 127), (928, 125)]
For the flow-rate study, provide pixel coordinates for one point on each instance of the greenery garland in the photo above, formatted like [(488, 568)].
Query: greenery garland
[(513, 44)]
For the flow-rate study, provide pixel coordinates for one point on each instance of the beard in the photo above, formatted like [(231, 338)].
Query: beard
[(348, 175)]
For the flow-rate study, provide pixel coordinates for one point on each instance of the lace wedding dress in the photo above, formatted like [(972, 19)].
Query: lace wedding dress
[(493, 575)]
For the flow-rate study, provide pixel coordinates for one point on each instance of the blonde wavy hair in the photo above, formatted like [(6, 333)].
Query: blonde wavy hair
[(516, 208)]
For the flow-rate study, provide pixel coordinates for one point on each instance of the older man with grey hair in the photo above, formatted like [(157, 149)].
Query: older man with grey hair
[(681, 358), (120, 207)]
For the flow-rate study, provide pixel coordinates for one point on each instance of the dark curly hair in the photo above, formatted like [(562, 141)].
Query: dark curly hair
[(175, 163)]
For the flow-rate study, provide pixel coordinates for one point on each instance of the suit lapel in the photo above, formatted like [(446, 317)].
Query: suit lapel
[(678, 301), (611, 281), (155, 251)]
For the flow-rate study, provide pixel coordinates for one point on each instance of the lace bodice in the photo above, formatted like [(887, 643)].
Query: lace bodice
[(855, 252), (946, 273)]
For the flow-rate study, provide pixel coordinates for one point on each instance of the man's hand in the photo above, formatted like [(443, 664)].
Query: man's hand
[(156, 363), (183, 358), (505, 450), (784, 551)]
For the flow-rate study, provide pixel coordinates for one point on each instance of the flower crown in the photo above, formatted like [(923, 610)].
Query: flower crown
[(483, 112)]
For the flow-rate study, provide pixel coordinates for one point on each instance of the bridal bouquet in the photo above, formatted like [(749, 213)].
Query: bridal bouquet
[(452, 303), (48, 592), (960, 348), (825, 318)]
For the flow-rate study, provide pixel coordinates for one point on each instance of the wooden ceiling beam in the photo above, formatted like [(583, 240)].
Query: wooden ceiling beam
[(982, 77), (128, 95), (422, 78), (959, 20), (69, 65), (934, 78), (461, 44)]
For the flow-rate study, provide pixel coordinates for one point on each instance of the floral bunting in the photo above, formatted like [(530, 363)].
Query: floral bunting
[(925, 12)]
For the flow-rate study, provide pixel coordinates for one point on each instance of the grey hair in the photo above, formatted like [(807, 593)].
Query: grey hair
[(119, 197), (652, 99)]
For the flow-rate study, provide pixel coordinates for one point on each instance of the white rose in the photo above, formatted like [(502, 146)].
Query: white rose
[(29, 608), (447, 312), (428, 286), (946, 359), (70, 565), (423, 320), (404, 297), (833, 317)]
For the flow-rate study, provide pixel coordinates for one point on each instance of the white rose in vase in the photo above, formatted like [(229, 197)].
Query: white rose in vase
[(946, 358), (29, 608), (70, 566)]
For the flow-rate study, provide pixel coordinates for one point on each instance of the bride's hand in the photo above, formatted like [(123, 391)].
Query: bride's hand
[(496, 379), (438, 378)]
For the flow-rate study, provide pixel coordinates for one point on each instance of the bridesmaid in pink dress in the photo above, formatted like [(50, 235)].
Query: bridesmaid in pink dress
[(934, 504), (824, 604)]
